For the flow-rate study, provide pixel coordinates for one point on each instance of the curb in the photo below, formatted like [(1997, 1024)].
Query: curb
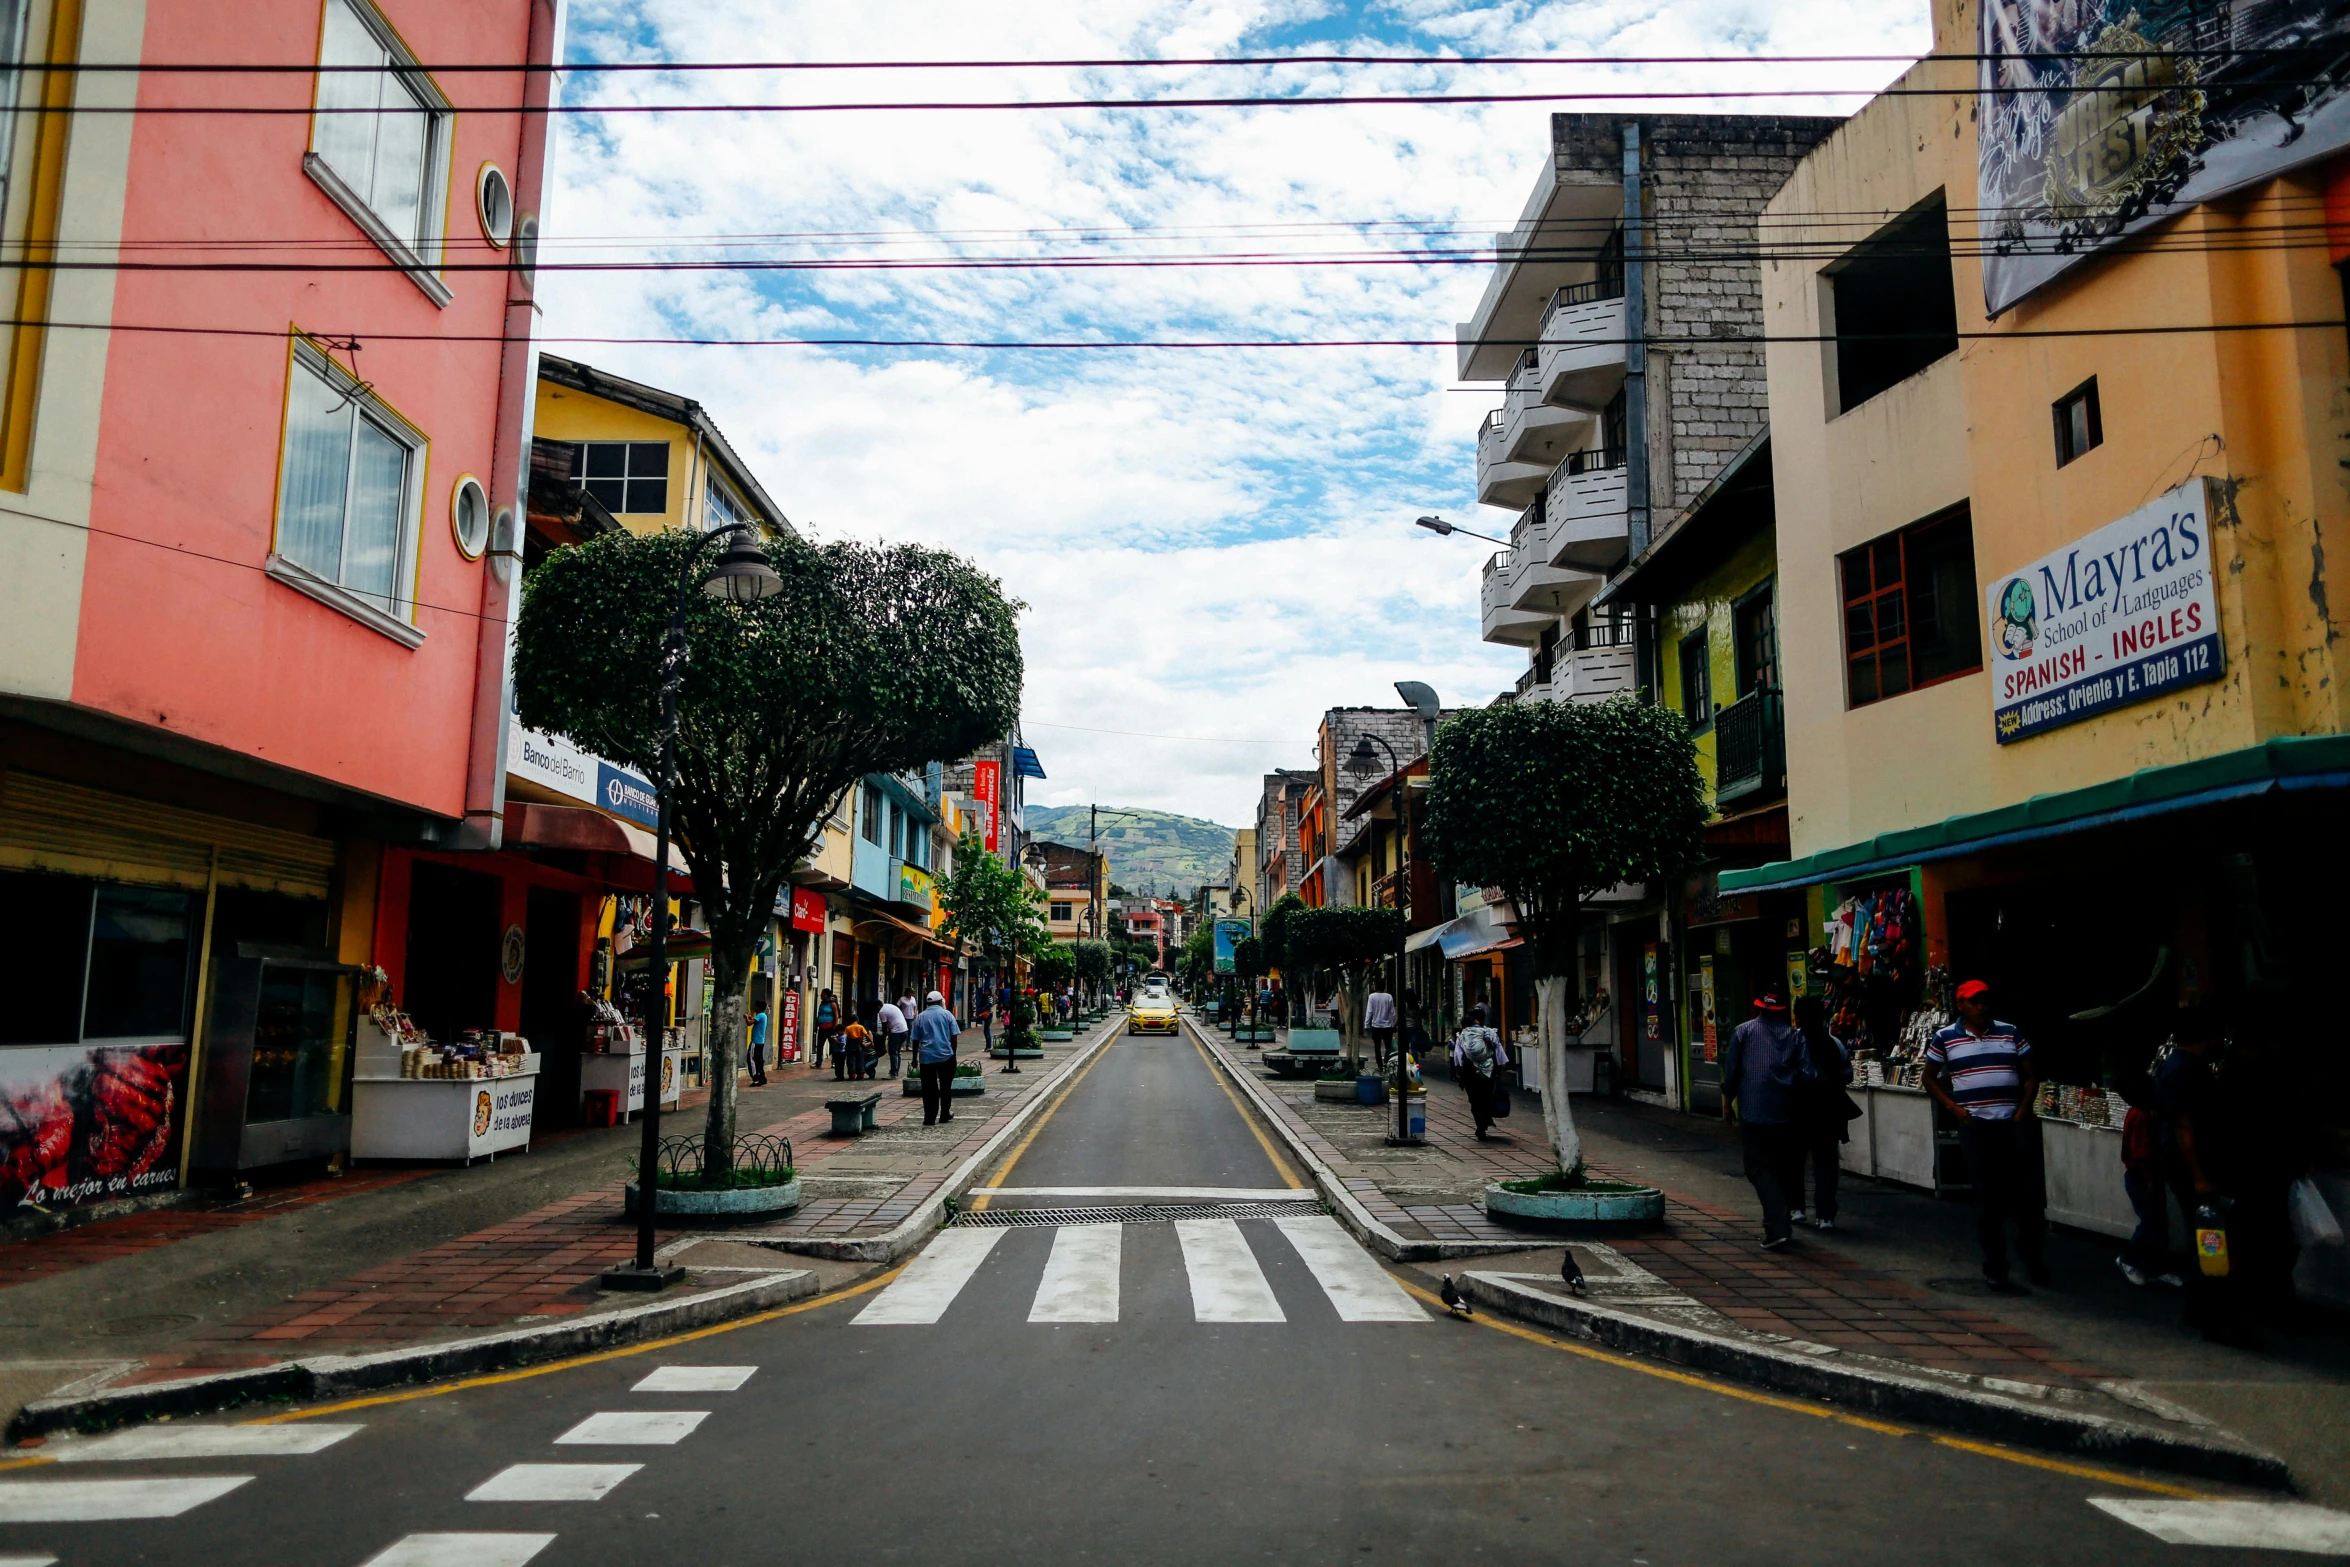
[(1345, 1205), (325, 1377), (909, 1232), (1848, 1385)]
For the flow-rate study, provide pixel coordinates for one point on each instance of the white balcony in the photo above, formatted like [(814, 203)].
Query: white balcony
[(1500, 481), (1531, 429), (1587, 508), (1593, 674), (1537, 585), (1501, 621), (1582, 354)]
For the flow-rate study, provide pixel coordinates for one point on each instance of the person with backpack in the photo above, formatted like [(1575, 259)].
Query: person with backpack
[(1478, 1056), (827, 1034), (1823, 1115)]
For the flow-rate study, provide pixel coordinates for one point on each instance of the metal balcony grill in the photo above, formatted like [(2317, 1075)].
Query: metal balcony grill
[(1750, 749)]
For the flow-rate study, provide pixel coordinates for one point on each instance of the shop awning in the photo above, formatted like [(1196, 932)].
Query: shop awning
[(2276, 767), (1472, 935), (906, 926), (576, 829)]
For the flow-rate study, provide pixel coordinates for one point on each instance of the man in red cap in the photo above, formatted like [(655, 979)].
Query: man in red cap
[(1981, 1071), (1762, 1066)]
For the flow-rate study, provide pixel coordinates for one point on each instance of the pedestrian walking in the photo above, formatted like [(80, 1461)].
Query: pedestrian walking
[(1379, 1019), (934, 1034), (2205, 1162), (827, 1025), (1763, 1067), (889, 1028), (1825, 1115), (1478, 1055), (1981, 1071), (759, 1048), (2147, 1258)]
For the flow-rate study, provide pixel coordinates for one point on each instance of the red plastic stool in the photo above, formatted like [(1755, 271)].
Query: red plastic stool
[(601, 1107)]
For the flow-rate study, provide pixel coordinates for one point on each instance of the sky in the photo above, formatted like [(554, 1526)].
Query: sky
[(1213, 545)]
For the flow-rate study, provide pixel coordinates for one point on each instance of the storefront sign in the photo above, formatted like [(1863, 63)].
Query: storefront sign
[(1705, 1005), (84, 1125), (807, 909), (2121, 616), (501, 1115), (511, 951), (625, 794), (2101, 118), (914, 885), (1229, 935), (987, 788), (1651, 1011), (788, 1037)]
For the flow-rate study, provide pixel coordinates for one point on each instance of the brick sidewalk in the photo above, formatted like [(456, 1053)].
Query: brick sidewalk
[(1709, 1253)]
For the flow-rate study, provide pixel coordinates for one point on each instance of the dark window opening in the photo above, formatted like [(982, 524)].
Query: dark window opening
[(1895, 307), (1756, 628), (1696, 681), (627, 476), (870, 817), (1910, 617), (1546, 654), (2080, 425)]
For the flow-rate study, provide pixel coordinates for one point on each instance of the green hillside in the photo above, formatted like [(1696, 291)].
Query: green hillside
[(1150, 851)]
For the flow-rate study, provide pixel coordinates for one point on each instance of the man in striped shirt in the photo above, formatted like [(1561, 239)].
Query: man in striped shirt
[(1981, 1071)]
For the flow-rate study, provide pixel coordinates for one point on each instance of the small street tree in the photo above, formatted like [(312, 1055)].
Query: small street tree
[(1274, 928), (864, 660), (991, 905), (1054, 966), (1093, 967), (1347, 941), (1551, 802)]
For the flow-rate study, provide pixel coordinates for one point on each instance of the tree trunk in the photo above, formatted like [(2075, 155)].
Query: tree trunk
[(1550, 1032), (722, 1040), (1350, 989)]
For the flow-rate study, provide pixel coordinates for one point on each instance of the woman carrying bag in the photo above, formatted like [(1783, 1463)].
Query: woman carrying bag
[(1824, 1112), (1478, 1056)]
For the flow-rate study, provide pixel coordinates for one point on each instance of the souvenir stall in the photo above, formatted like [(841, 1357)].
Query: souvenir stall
[(612, 1067), (1886, 1009), (417, 1098)]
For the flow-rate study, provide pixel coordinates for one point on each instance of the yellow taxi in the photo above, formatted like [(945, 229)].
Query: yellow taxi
[(1152, 1012)]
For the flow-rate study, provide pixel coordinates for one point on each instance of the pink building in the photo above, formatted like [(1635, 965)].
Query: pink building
[(259, 489)]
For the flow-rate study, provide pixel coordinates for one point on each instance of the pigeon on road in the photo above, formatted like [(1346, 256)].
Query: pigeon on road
[(1453, 1299), (1572, 1274)]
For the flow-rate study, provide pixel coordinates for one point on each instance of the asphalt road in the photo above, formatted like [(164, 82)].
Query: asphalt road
[(1149, 1435)]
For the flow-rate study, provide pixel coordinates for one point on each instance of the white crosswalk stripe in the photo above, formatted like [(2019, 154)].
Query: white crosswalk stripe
[(1081, 1277), (1226, 1283), (101, 1501), (552, 1483), (2246, 1525), (634, 1428), (1360, 1289), (920, 1295), (695, 1379), (154, 1442), (461, 1550)]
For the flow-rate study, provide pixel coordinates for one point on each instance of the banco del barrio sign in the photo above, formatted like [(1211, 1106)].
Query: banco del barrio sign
[(2124, 615)]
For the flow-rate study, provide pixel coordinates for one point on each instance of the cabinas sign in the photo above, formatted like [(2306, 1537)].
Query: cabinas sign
[(2124, 615)]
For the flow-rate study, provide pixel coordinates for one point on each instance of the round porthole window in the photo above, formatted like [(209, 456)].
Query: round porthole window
[(469, 517), (526, 249), (495, 200)]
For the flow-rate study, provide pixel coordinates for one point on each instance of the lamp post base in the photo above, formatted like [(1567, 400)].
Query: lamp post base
[(628, 1276)]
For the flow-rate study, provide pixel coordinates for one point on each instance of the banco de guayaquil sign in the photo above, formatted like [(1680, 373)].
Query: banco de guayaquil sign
[(2123, 615)]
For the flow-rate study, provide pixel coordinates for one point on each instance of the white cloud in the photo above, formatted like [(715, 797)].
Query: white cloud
[(1212, 542)]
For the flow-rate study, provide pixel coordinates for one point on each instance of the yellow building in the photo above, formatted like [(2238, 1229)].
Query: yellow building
[(2063, 673)]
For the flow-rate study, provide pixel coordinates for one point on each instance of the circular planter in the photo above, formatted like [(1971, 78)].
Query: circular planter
[(742, 1202), (912, 1086), (1023, 1054), (1644, 1205)]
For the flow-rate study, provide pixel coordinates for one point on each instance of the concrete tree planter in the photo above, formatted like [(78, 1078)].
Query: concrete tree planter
[(1337, 1091), (738, 1202), (971, 1083), (1024, 1053), (1606, 1203), (1056, 1035)]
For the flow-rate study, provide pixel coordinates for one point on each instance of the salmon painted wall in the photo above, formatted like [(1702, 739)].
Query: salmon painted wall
[(190, 426)]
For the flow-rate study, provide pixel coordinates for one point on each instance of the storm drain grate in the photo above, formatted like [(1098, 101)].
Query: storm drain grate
[(1152, 1213)]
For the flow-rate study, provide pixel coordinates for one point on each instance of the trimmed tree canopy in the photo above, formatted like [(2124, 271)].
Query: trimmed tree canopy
[(1554, 801), (863, 661), (1340, 938), (1275, 928)]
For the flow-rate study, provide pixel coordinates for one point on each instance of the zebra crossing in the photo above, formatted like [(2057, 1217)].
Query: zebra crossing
[(1082, 1276)]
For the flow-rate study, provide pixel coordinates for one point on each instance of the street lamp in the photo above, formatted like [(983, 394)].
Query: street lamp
[(1363, 762), (1443, 529), (740, 576)]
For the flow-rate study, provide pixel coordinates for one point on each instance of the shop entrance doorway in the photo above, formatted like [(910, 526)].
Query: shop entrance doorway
[(552, 1019), (452, 980)]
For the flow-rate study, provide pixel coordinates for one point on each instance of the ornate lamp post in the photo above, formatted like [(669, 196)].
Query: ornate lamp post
[(1363, 762)]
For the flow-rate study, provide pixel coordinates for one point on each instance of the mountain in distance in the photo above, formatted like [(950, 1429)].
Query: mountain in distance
[(1150, 851)]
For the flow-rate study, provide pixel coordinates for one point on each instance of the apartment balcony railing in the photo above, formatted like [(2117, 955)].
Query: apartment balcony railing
[(1588, 510), (1502, 621), (1505, 478), (1750, 749), (1582, 345)]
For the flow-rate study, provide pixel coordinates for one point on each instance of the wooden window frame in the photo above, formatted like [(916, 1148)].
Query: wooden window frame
[(1899, 590), (2084, 397)]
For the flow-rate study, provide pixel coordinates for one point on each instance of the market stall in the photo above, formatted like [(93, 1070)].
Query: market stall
[(460, 1100), (613, 1062)]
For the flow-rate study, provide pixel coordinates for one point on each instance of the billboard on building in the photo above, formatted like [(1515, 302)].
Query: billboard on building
[(83, 1124), (2100, 118), (2121, 615), (1229, 935)]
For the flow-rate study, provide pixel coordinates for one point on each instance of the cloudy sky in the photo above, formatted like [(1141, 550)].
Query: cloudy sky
[(1213, 543)]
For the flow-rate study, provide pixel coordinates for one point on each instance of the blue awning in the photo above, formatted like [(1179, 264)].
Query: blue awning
[(1025, 764)]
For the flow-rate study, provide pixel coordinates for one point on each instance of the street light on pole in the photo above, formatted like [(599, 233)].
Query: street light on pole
[(1443, 529), (1363, 762), (741, 575)]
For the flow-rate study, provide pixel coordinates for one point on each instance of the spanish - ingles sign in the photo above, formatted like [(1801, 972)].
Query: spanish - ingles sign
[(2124, 615)]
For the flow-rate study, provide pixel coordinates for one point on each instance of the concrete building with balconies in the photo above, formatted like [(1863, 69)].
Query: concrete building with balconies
[(1631, 365)]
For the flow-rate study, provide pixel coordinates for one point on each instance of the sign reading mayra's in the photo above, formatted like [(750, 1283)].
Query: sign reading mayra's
[(2121, 616)]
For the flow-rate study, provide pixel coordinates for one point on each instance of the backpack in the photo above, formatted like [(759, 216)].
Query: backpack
[(1477, 1049)]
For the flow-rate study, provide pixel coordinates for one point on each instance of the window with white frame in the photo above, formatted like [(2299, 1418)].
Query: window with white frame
[(381, 128), (721, 506), (627, 476), (347, 499)]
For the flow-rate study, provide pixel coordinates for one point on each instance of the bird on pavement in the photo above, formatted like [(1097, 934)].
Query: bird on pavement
[(1573, 1275), (1452, 1298)]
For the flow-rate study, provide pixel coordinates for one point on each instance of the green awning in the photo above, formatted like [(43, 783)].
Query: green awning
[(2278, 766)]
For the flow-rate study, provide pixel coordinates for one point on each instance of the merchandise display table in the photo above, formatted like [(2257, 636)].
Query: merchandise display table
[(1894, 1138), (624, 1075), (453, 1118)]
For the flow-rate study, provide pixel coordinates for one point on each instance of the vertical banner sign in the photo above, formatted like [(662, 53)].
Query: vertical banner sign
[(789, 1049), (1651, 1010), (2101, 118), (2125, 614), (1705, 1003), (987, 784)]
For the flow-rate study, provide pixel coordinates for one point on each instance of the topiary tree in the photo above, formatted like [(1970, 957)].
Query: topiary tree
[(1552, 802), (863, 661), (1349, 942), (1093, 966), (1054, 966), (1275, 931)]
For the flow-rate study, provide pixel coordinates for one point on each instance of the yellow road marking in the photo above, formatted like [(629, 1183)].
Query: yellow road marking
[(1816, 1411), (25, 1463), (600, 1356), (1281, 1166), (1060, 1099)]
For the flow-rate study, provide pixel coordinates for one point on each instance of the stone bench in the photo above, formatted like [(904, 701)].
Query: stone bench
[(853, 1117)]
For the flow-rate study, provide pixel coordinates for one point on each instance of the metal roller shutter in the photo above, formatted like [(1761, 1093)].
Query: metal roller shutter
[(50, 825)]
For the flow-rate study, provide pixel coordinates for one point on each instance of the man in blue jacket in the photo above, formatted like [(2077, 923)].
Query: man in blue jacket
[(1762, 1066), (935, 1031)]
